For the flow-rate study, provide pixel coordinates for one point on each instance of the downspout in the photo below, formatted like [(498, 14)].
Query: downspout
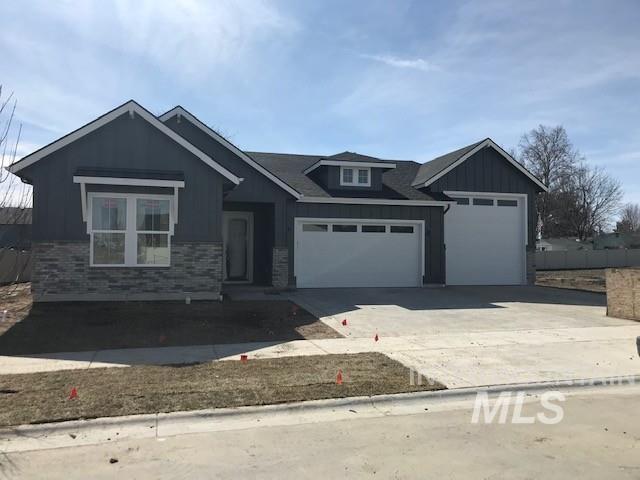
[(444, 212)]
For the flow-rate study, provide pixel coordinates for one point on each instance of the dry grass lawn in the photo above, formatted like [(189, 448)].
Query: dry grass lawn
[(68, 327), (589, 280), (44, 397)]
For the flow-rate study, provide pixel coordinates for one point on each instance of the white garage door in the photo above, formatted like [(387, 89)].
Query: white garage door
[(485, 240), (358, 253)]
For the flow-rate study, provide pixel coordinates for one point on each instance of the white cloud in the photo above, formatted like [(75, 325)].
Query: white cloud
[(82, 58), (412, 63), (190, 38)]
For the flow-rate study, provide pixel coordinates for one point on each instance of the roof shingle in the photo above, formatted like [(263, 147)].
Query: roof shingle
[(396, 182), (430, 169)]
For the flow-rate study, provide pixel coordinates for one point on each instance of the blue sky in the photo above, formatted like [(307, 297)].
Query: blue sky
[(400, 80)]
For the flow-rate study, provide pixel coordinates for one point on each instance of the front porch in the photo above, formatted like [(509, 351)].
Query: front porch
[(251, 254)]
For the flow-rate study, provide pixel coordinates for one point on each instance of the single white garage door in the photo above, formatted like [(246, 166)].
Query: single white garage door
[(358, 253), (485, 240)]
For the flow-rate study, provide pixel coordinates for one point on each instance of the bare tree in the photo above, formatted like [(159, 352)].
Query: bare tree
[(549, 154), (15, 196), (629, 219), (590, 201)]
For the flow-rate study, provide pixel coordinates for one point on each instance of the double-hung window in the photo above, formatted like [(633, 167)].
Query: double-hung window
[(358, 177), (130, 230)]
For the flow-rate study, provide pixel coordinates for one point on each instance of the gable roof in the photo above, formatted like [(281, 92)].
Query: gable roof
[(354, 157), (431, 171), (396, 183), (350, 159), (181, 111), (132, 108)]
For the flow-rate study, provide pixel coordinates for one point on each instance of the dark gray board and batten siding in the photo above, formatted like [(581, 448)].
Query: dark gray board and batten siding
[(123, 143), (488, 171), (256, 187), (432, 216)]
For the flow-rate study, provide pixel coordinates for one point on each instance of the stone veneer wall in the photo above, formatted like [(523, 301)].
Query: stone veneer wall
[(531, 266), (61, 272), (623, 293), (280, 268)]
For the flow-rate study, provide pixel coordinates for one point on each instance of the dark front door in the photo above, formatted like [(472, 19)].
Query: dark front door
[(238, 246)]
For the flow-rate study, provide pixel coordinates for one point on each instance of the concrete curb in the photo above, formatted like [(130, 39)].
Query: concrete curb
[(104, 430)]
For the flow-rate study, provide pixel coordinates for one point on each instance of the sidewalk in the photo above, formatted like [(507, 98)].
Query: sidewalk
[(108, 432), (457, 360)]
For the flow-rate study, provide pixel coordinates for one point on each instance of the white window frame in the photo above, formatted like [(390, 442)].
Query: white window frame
[(355, 176), (131, 231)]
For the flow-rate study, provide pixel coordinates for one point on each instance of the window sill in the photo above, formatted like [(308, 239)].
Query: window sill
[(128, 267)]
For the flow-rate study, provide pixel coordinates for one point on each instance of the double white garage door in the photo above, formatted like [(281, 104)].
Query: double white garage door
[(358, 253), (484, 238)]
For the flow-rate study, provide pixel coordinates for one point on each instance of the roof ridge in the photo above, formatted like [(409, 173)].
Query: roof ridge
[(327, 156)]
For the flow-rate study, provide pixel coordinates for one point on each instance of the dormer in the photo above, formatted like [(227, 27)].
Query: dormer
[(349, 171)]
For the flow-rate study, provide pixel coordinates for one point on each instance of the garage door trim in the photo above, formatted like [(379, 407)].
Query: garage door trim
[(360, 221), (522, 197)]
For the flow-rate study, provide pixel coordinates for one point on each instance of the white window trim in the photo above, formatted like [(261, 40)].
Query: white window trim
[(355, 177), (131, 232), (129, 182)]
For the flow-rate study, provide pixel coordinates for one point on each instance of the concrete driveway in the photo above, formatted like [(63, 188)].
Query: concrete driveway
[(396, 312), (469, 336), (460, 336)]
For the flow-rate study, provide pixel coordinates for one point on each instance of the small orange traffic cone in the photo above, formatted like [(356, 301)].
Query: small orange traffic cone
[(344, 322), (74, 393), (339, 378)]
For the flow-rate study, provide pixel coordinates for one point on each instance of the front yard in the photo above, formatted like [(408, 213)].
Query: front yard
[(589, 280), (44, 397), (66, 327)]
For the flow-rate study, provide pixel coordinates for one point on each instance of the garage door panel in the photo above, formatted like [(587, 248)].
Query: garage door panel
[(485, 243), (358, 259)]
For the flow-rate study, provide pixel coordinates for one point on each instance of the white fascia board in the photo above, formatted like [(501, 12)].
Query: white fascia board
[(220, 139), (341, 163), (132, 108), (134, 182), (376, 201), (487, 143)]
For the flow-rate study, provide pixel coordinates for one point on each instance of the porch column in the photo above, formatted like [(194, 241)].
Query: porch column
[(280, 254)]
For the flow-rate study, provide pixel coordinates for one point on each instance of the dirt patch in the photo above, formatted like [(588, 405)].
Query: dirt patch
[(623, 293), (81, 326), (44, 397), (588, 280)]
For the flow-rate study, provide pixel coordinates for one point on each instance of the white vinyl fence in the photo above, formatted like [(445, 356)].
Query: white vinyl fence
[(578, 259), (15, 265)]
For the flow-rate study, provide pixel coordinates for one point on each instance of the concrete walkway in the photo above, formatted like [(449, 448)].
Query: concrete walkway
[(457, 360)]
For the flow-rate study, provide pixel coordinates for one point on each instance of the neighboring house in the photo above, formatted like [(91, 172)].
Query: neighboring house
[(609, 241), (562, 244), (15, 228), (133, 206)]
